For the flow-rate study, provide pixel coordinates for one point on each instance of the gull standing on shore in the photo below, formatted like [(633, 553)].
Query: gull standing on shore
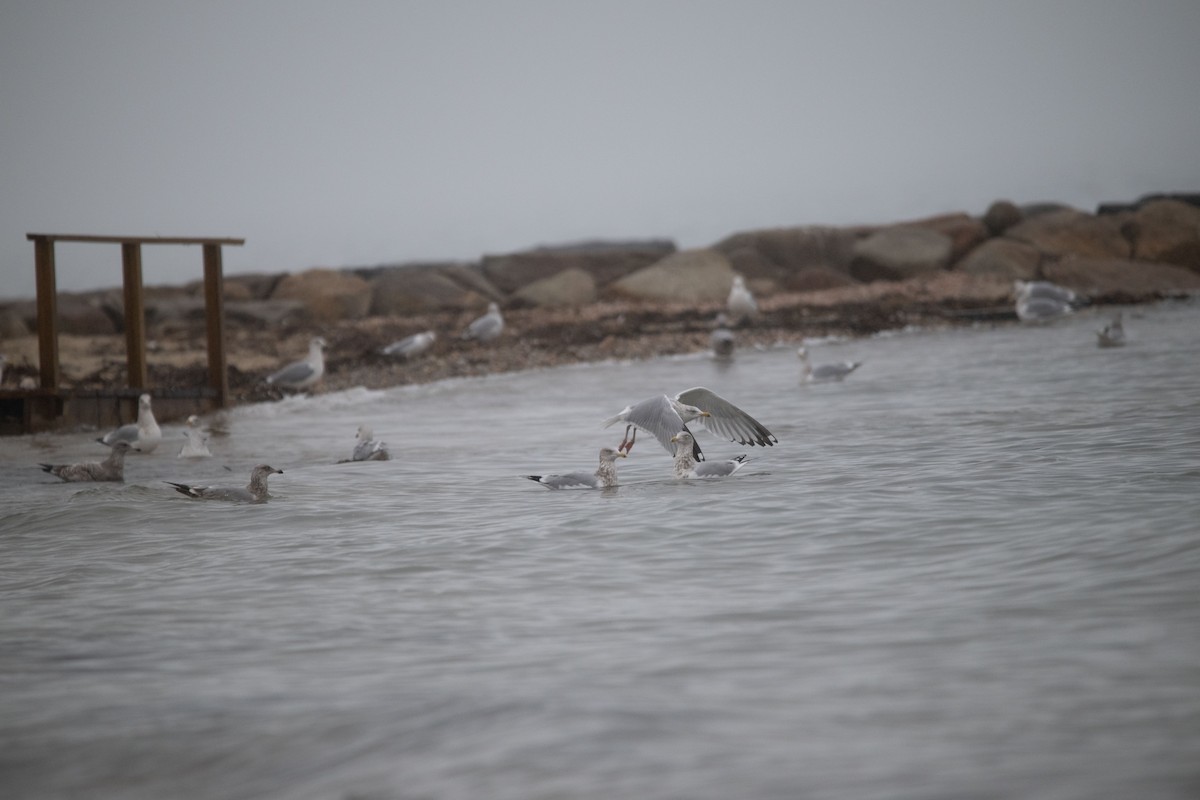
[(145, 434), (663, 417), (487, 327), (834, 371), (686, 466), (255, 491), (741, 302), (410, 346), (110, 469), (196, 445), (302, 374), (605, 477)]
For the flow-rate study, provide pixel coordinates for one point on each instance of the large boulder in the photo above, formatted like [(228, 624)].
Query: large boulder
[(964, 231), (328, 294), (1167, 231), (779, 254), (1000, 216), (416, 289), (1121, 280), (604, 261), (1003, 258), (571, 288), (688, 276), (900, 252), (1067, 232)]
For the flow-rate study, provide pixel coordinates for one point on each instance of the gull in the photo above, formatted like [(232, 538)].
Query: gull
[(302, 374), (663, 417), (410, 346), (487, 327), (741, 303), (255, 491), (144, 433), (1113, 334), (1026, 290), (1042, 309), (605, 477), (686, 466), (367, 448), (722, 339), (834, 371), (110, 469), (196, 445)]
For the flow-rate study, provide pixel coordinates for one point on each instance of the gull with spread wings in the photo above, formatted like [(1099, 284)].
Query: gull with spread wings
[(663, 417)]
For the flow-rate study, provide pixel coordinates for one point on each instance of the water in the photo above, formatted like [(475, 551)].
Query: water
[(970, 571)]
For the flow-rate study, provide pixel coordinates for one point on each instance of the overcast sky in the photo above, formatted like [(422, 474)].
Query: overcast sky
[(353, 133)]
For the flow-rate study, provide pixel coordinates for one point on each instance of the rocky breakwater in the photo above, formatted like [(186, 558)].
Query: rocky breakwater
[(598, 300)]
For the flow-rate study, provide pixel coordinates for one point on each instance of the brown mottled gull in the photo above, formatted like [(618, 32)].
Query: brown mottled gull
[(255, 491), (110, 469), (605, 477)]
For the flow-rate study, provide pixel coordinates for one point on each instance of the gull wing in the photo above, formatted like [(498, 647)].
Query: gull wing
[(725, 419)]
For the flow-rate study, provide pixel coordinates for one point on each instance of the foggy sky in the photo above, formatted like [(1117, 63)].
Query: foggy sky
[(354, 133)]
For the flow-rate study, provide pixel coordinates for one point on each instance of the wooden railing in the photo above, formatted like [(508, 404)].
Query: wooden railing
[(135, 312)]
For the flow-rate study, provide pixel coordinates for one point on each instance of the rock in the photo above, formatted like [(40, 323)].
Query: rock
[(570, 288), (605, 262), (900, 252), (266, 313), (1031, 210), (1004, 258), (243, 286), (1167, 231), (688, 276), (1121, 280), (328, 294), (965, 232), (86, 315), (781, 253), (814, 279), (1000, 216), (419, 288), (12, 324), (1072, 233)]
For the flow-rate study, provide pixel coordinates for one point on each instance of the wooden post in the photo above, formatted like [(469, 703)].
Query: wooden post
[(47, 313), (214, 311), (135, 315)]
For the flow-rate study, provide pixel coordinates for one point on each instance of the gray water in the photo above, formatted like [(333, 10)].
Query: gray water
[(972, 570)]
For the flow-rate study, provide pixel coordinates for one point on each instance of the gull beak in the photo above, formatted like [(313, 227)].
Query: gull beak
[(705, 414), (675, 438)]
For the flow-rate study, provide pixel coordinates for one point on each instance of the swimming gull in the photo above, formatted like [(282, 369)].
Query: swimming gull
[(1042, 309), (605, 477), (367, 448), (686, 466), (110, 469), (487, 327), (255, 491), (302, 374), (144, 433), (833, 371), (1025, 290), (663, 417), (722, 339), (741, 303), (1113, 334), (196, 445), (411, 346)]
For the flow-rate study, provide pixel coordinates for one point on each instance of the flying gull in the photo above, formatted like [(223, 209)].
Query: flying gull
[(663, 417), (687, 467), (255, 491), (605, 477), (834, 371), (110, 469), (144, 434), (302, 374)]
